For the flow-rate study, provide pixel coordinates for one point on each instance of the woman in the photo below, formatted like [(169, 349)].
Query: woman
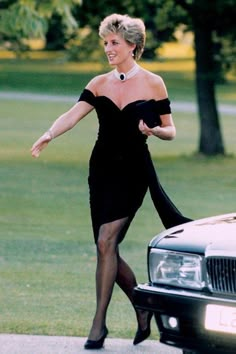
[(120, 169)]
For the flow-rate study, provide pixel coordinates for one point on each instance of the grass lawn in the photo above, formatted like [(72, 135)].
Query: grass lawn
[(47, 255), (68, 78)]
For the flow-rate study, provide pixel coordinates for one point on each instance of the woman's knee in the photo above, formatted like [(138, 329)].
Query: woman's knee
[(106, 241)]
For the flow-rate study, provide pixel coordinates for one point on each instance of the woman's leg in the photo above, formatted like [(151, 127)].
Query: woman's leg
[(106, 273), (127, 281)]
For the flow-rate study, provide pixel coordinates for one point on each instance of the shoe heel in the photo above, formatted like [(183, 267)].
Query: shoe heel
[(96, 344)]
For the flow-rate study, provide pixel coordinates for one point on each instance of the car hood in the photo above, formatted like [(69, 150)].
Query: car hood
[(204, 236)]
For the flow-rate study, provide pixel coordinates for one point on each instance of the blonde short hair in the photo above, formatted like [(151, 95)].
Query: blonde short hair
[(131, 29)]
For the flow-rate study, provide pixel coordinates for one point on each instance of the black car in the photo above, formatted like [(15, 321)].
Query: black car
[(192, 285)]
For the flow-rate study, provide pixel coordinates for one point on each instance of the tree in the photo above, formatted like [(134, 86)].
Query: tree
[(212, 22), (28, 19)]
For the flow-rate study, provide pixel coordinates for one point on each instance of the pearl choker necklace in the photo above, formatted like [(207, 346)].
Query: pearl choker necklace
[(123, 77)]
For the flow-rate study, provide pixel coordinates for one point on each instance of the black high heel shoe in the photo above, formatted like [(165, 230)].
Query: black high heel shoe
[(96, 344), (143, 334)]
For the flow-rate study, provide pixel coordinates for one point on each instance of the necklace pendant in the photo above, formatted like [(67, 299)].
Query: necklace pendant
[(126, 76)]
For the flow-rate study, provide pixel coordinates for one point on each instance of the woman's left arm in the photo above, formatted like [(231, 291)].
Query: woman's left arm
[(166, 130)]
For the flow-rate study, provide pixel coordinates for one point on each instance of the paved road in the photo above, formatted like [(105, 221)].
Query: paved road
[(176, 106), (24, 344)]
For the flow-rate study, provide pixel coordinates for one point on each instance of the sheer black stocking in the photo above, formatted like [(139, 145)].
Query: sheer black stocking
[(127, 281), (106, 273), (112, 268)]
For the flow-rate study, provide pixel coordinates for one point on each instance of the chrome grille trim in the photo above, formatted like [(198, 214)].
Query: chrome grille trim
[(222, 274)]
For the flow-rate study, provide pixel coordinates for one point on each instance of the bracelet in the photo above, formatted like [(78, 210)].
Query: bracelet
[(50, 134)]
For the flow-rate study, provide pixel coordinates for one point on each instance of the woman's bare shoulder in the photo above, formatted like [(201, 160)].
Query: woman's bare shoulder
[(97, 82), (155, 82), (152, 78)]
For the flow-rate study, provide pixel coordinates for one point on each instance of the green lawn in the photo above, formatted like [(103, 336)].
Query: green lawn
[(68, 78), (47, 255)]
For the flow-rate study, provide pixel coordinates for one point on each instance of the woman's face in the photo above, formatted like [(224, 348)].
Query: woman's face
[(117, 49)]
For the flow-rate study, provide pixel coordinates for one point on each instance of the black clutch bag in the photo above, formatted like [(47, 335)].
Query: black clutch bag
[(148, 112)]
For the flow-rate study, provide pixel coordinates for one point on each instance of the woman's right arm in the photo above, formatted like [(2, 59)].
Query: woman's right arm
[(61, 125)]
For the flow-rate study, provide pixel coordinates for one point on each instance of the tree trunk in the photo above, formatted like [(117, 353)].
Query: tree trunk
[(211, 142)]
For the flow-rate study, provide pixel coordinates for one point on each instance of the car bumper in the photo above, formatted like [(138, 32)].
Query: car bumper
[(180, 316)]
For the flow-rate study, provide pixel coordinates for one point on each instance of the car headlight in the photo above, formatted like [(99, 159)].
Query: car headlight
[(175, 268)]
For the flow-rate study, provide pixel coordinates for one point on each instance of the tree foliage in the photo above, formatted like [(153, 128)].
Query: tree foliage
[(28, 19)]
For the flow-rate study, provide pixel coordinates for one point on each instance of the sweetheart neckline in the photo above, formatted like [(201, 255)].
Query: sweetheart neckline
[(114, 104), (110, 100)]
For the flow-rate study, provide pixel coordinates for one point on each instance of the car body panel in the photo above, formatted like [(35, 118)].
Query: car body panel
[(197, 235), (214, 239)]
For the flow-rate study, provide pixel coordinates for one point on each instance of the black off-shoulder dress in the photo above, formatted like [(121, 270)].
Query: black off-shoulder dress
[(120, 167)]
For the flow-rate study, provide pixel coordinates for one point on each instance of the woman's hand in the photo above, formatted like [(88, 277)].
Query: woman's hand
[(145, 129), (41, 144), (167, 132)]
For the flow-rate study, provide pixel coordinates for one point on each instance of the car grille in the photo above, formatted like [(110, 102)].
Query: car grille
[(222, 274)]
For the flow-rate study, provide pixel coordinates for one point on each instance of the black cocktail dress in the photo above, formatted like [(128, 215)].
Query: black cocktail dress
[(121, 169)]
